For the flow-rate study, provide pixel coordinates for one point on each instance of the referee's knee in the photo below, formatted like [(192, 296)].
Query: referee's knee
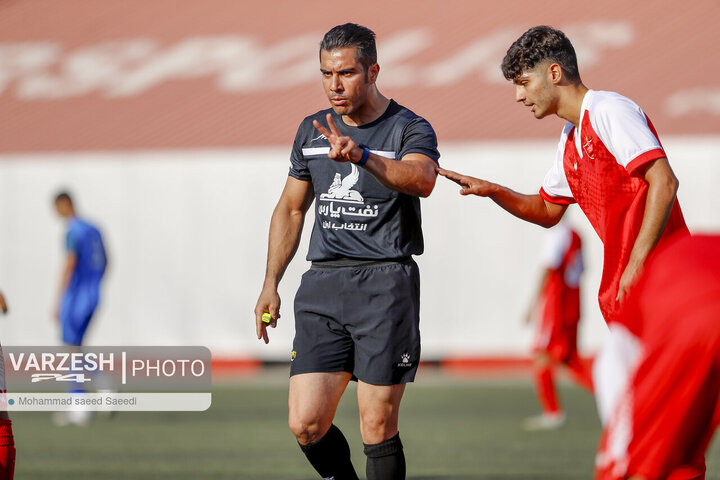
[(377, 427), (308, 431)]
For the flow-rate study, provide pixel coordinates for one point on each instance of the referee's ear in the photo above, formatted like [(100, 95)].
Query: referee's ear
[(373, 72)]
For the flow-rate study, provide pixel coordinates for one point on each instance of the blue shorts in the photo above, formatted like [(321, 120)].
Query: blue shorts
[(78, 307)]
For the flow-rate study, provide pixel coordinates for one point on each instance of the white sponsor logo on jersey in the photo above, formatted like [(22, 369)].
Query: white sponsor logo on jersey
[(341, 188)]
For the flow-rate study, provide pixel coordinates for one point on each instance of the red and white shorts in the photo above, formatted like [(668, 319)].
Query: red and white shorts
[(663, 424)]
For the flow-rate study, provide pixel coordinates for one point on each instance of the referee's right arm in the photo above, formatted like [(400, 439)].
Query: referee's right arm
[(285, 230)]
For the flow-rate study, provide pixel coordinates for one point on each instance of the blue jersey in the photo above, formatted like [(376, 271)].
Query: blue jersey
[(85, 241)]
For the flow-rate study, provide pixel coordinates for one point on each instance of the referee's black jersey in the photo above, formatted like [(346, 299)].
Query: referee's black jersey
[(355, 216)]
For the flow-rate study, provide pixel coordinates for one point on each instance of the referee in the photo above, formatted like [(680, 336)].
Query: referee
[(365, 162)]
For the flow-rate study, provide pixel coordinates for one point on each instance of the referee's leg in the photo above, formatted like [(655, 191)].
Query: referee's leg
[(313, 400), (379, 408)]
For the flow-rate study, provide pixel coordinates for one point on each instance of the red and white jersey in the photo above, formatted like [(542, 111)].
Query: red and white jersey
[(667, 417), (563, 259), (598, 168)]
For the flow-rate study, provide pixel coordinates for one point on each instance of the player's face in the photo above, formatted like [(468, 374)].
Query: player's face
[(345, 80), (63, 208), (535, 89)]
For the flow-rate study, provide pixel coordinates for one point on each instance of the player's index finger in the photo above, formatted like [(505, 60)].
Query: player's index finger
[(449, 174)]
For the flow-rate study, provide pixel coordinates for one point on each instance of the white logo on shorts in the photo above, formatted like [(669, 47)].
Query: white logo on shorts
[(405, 360)]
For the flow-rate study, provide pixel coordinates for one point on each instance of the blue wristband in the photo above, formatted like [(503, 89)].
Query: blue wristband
[(365, 155)]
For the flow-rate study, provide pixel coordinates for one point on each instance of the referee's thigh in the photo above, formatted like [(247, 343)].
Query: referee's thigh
[(313, 399)]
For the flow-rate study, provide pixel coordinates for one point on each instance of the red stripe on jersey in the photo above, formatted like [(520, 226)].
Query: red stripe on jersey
[(644, 158), (556, 200)]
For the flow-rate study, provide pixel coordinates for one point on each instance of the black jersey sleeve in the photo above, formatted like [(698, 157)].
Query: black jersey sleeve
[(419, 137), (298, 165)]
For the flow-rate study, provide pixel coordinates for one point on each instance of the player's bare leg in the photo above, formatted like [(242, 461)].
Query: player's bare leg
[(379, 408), (313, 400)]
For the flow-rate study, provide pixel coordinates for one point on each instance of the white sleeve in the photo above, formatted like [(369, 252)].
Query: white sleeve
[(624, 130), (555, 184), (556, 244)]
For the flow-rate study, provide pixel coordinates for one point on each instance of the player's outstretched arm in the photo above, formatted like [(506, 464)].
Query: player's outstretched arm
[(662, 190), (414, 174), (3, 304), (531, 208), (285, 230)]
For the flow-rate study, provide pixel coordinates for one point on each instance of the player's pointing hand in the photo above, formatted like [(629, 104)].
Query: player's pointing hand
[(342, 148), (470, 185)]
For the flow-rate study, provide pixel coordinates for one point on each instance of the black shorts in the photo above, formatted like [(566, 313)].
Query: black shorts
[(362, 319)]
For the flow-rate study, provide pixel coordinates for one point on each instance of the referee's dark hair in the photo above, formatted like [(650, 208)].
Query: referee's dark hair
[(537, 45), (352, 35)]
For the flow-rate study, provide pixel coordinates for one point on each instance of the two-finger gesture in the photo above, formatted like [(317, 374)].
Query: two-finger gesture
[(342, 148)]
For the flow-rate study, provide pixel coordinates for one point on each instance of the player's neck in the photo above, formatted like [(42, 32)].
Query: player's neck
[(570, 103), (372, 109)]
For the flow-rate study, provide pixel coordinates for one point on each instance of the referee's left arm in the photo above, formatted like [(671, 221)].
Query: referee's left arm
[(414, 174)]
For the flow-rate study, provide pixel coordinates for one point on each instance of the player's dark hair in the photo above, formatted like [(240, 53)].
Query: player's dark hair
[(63, 196), (537, 45), (352, 35)]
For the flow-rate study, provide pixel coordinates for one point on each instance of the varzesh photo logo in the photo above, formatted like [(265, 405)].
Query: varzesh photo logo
[(107, 378)]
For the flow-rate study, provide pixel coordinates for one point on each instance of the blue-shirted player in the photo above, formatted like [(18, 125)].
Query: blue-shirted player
[(79, 289), (84, 268)]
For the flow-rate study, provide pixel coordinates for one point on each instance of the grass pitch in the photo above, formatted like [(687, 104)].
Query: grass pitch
[(453, 429)]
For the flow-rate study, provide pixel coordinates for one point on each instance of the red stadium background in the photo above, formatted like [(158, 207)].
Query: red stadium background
[(89, 75)]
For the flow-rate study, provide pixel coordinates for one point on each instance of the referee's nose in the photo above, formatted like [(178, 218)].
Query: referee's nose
[(336, 83)]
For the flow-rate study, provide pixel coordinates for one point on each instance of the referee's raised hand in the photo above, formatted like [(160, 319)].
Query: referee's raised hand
[(342, 148)]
